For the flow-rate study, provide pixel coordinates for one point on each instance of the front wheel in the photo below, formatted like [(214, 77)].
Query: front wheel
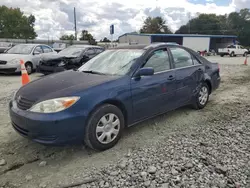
[(104, 127), (29, 68), (202, 97)]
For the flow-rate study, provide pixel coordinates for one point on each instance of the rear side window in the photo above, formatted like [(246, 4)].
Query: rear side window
[(159, 61), (196, 62), (181, 57)]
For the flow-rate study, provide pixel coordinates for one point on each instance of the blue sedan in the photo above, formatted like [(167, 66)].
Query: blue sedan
[(116, 89)]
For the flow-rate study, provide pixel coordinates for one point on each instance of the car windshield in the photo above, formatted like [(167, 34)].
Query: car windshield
[(72, 51), (112, 62), (21, 49)]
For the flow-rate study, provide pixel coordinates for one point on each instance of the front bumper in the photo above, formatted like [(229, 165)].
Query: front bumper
[(7, 69), (49, 69), (48, 129)]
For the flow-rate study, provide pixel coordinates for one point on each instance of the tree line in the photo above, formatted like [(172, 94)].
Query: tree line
[(14, 24)]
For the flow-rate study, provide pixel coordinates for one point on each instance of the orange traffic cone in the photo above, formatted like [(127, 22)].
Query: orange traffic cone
[(245, 62), (25, 76)]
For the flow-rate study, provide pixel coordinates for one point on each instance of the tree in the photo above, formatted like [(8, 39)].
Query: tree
[(236, 23), (203, 24), (85, 35), (155, 25), (105, 39), (67, 37), (14, 24)]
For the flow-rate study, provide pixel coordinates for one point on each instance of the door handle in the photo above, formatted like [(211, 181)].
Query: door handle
[(171, 77), (200, 69)]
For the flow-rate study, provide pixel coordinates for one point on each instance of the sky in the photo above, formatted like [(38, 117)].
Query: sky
[(54, 18)]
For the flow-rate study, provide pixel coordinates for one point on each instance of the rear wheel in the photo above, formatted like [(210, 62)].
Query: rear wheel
[(222, 55), (104, 127), (202, 97), (245, 54), (29, 68)]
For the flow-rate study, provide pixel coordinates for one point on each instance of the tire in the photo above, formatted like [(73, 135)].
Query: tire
[(232, 54), (199, 104), (222, 55), (29, 68), (245, 54), (93, 138)]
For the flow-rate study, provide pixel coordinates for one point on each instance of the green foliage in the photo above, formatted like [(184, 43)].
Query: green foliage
[(155, 25), (14, 24), (67, 37), (236, 23), (85, 35), (105, 39)]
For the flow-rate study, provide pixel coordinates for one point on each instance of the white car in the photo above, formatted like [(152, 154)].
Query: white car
[(233, 50), (29, 53)]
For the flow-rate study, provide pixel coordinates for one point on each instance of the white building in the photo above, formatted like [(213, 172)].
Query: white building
[(193, 41)]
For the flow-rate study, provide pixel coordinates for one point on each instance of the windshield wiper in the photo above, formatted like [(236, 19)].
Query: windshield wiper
[(93, 72)]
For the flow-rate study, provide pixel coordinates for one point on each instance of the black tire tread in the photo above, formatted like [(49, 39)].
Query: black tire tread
[(196, 105), (87, 137)]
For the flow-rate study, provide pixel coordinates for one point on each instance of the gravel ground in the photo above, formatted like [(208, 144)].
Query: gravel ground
[(183, 148)]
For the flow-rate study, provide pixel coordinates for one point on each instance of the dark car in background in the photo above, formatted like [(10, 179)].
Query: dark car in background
[(69, 58), (116, 89)]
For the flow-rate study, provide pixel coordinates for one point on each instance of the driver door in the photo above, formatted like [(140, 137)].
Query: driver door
[(36, 55), (152, 95)]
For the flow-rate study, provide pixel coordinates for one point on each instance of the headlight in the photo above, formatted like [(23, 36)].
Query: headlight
[(54, 105), (14, 61)]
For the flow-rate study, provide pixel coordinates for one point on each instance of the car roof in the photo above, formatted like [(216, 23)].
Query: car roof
[(144, 46), (85, 46)]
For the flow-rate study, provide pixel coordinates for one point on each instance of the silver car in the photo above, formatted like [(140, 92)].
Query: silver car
[(29, 53)]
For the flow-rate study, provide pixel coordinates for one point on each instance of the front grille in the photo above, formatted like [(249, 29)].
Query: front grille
[(19, 129), (3, 62), (24, 103)]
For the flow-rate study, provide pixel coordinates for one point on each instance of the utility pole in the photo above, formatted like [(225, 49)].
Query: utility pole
[(75, 23), (189, 18)]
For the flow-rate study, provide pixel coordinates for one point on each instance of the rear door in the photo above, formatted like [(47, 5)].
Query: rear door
[(189, 74), (154, 94)]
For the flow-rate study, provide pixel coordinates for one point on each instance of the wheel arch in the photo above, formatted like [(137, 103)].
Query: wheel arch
[(116, 103), (209, 84), (29, 62)]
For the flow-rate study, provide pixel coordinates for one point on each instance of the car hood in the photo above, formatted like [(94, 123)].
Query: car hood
[(9, 57), (62, 84)]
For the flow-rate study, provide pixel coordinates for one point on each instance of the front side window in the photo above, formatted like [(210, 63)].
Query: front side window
[(46, 49), (112, 62), (38, 49), (159, 61), (181, 57)]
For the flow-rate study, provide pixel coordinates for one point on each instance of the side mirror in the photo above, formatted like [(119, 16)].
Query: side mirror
[(148, 71)]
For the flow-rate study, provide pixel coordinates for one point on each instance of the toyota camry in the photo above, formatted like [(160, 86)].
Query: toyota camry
[(116, 89)]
